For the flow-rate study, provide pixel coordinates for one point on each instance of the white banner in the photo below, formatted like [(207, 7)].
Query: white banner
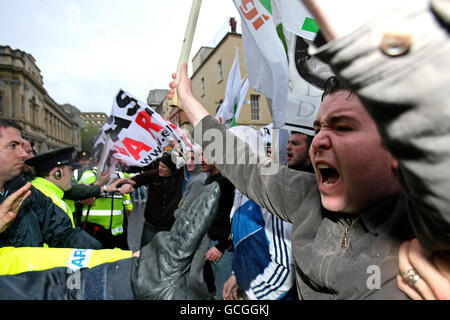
[(229, 105), (265, 57), (291, 19), (138, 134)]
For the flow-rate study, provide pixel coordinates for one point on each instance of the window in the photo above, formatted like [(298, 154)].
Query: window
[(255, 107), (13, 102), (32, 113), (203, 86), (219, 70)]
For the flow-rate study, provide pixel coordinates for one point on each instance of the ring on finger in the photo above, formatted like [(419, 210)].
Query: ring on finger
[(411, 276)]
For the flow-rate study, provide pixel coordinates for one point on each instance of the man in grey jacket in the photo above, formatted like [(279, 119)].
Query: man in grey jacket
[(379, 171)]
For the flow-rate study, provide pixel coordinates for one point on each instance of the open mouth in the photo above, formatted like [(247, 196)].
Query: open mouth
[(329, 175), (289, 156)]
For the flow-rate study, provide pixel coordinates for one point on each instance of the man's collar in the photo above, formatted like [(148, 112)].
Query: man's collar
[(13, 185), (375, 217)]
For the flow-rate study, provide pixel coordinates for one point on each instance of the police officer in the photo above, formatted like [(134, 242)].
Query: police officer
[(53, 175), (38, 220), (106, 218)]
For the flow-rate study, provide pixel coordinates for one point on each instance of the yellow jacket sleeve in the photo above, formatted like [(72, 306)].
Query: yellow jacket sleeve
[(18, 260)]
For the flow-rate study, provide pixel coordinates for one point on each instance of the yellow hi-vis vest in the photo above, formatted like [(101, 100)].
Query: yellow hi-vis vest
[(17, 260), (107, 211), (90, 176), (53, 192)]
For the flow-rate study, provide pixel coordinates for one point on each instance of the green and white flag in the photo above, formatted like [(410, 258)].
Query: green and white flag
[(296, 18), (228, 108), (265, 56), (292, 19), (242, 95)]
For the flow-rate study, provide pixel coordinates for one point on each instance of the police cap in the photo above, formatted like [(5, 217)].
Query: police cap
[(52, 159), (82, 155)]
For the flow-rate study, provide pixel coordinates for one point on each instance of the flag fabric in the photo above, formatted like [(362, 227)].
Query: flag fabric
[(229, 105), (242, 95), (138, 135), (103, 151), (292, 19), (265, 55), (296, 18)]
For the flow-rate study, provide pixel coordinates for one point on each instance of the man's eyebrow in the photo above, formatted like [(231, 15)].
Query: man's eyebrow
[(15, 142), (335, 119), (343, 117)]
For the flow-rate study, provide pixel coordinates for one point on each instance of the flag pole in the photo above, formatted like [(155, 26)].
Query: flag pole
[(187, 44)]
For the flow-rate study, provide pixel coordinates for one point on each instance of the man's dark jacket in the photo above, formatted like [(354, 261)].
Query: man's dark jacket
[(163, 196), (40, 221), (221, 226)]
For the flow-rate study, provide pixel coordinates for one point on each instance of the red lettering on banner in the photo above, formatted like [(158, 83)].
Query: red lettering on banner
[(259, 22), (121, 150), (135, 147), (249, 14), (145, 121)]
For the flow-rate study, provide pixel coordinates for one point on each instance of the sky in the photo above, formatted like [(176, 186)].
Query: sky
[(89, 49)]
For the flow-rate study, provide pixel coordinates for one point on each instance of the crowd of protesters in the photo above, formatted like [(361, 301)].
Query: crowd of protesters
[(360, 211)]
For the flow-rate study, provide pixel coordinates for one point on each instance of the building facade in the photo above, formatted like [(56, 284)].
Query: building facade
[(24, 99), (210, 76), (96, 119)]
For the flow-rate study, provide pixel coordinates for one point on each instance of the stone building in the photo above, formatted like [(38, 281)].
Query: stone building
[(96, 119), (156, 98), (24, 99)]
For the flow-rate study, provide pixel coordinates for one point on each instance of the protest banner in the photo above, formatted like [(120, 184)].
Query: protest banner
[(265, 58), (137, 134)]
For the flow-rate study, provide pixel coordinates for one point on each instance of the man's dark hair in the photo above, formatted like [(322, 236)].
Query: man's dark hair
[(333, 85), (6, 123), (309, 138)]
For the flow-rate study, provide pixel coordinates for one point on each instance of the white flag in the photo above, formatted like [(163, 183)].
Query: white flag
[(138, 134), (103, 152), (242, 95), (229, 105), (265, 57), (292, 19)]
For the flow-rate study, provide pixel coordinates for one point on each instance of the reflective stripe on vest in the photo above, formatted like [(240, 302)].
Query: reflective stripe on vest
[(100, 213), (18, 260)]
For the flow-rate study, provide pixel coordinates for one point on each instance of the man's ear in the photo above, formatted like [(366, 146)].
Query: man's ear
[(55, 173)]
